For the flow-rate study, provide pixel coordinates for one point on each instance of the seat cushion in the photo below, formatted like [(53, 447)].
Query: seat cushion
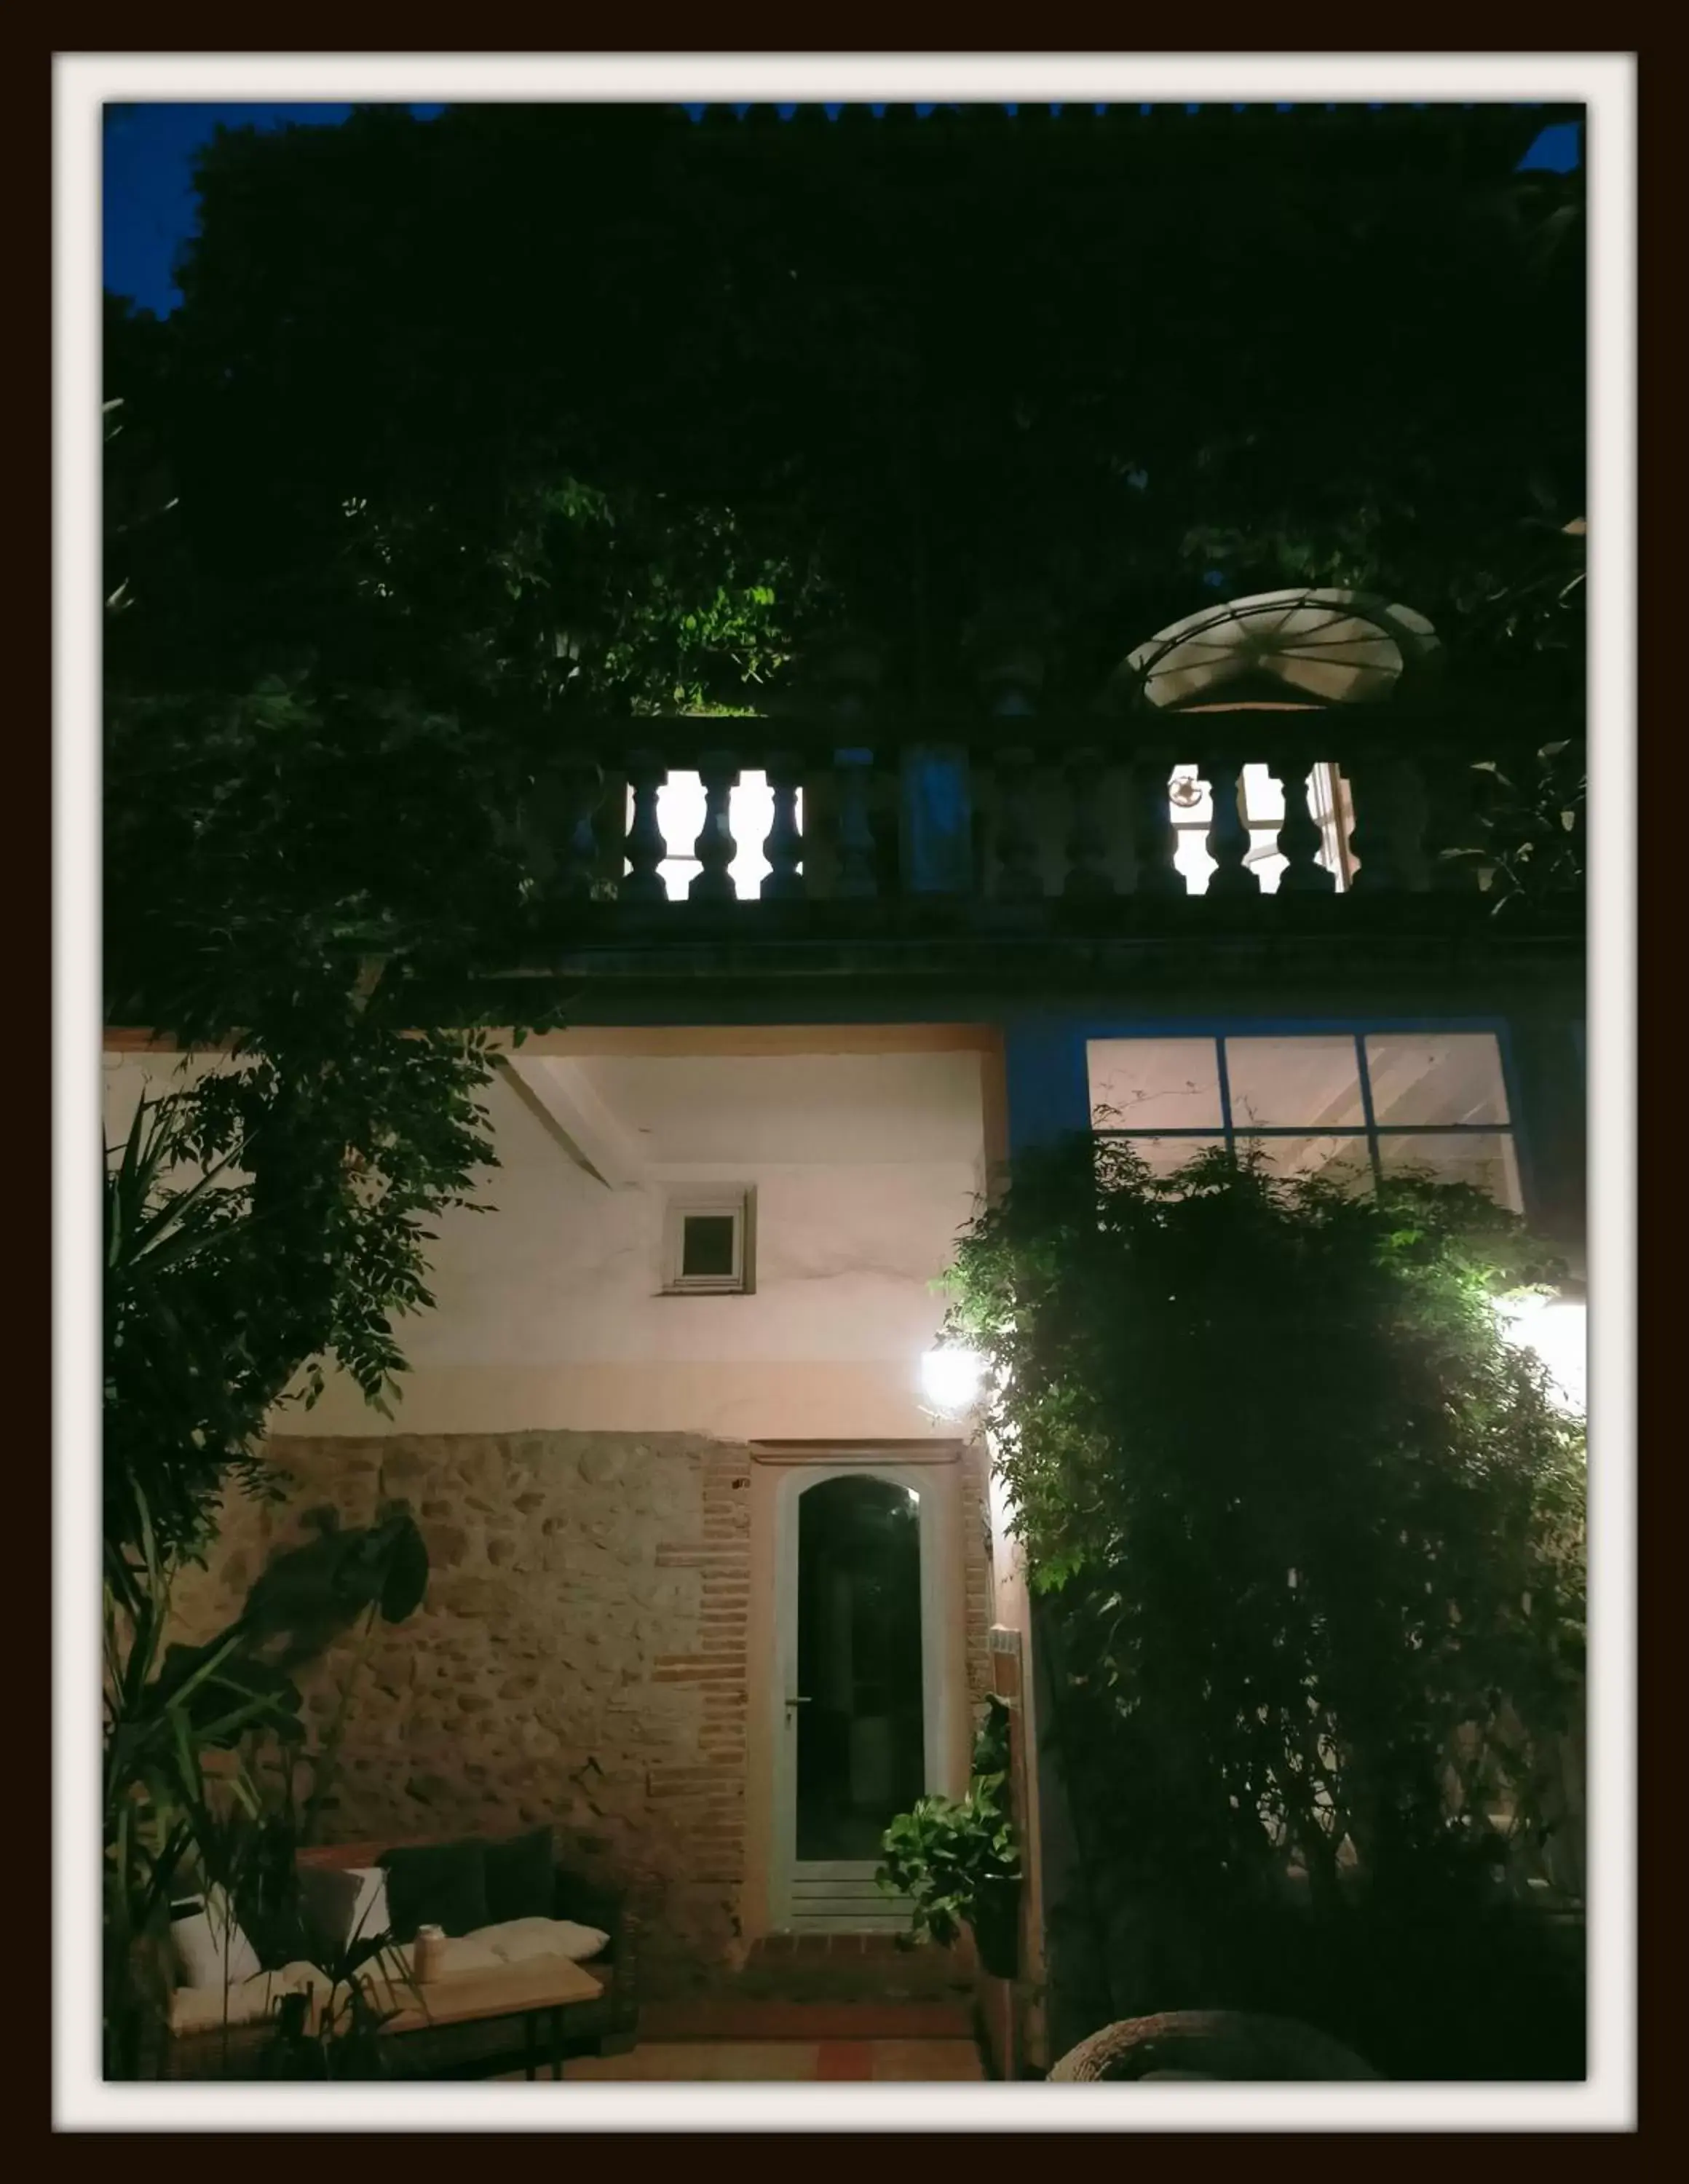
[(518, 1940), (210, 1948), (203, 2009)]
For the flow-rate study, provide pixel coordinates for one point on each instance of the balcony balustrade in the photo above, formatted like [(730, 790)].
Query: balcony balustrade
[(1013, 823)]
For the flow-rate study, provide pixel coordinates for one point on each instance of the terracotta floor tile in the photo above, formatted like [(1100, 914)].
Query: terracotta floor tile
[(772, 2062), (702, 2061), (845, 2059), (731, 2020), (924, 2062)]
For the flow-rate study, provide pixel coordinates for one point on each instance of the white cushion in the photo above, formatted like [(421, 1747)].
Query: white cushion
[(203, 2009), (515, 1940), (209, 1947), (341, 1904)]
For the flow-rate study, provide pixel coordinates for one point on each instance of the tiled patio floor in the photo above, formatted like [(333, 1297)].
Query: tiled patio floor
[(769, 2062), (842, 2007)]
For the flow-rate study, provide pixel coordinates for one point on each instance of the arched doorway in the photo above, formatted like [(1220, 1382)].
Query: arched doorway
[(858, 1701)]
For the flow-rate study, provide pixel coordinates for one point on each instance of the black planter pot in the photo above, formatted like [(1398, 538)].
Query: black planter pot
[(996, 1927)]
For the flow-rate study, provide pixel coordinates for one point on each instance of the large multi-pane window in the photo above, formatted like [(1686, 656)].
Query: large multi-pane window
[(1347, 1106)]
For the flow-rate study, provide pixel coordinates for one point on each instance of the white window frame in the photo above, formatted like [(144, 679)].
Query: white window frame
[(734, 1201)]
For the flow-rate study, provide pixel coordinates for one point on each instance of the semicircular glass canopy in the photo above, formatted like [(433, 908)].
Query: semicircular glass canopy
[(1330, 647)]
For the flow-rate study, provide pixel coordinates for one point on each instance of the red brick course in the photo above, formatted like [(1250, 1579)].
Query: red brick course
[(705, 1800)]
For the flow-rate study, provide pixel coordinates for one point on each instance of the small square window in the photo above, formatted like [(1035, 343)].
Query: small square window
[(709, 1242)]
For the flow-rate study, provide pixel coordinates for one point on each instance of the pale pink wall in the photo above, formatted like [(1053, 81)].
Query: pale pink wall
[(549, 1312)]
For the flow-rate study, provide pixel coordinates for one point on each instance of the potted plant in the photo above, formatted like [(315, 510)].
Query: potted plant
[(957, 1861), (341, 2040)]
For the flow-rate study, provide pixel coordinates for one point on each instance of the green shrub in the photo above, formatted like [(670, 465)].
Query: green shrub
[(1307, 1532)]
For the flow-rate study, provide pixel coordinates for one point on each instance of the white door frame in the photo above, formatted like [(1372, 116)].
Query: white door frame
[(939, 1641)]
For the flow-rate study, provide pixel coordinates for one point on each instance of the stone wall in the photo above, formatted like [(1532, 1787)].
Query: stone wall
[(580, 1658)]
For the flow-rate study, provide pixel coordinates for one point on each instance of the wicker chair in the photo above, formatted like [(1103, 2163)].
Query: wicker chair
[(1209, 2043)]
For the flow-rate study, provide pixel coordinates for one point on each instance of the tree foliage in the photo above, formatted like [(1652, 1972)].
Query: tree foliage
[(1311, 1528), (690, 392), (202, 1747), (261, 1224)]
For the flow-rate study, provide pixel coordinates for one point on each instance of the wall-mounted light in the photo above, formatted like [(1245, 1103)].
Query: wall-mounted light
[(951, 1380), (1555, 1325)]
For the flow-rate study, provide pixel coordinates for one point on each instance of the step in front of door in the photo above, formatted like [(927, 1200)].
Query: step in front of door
[(845, 1899)]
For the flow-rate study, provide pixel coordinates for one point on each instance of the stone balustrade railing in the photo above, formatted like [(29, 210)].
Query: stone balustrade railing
[(1027, 809)]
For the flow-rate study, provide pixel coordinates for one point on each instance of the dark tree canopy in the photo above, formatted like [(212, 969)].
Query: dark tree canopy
[(440, 389)]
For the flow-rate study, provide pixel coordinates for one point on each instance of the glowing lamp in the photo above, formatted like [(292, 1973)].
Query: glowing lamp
[(1557, 1328), (951, 1380)]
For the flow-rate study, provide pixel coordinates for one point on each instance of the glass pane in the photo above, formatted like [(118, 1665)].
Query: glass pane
[(861, 1720), (1436, 1077), (1343, 1161), (707, 1245), (1167, 1156), (1143, 1083), (1482, 1158), (1312, 1081)]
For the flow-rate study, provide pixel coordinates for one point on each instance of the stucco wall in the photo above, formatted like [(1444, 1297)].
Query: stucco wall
[(549, 1312)]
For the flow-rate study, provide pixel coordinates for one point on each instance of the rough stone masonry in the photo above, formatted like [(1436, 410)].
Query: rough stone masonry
[(579, 1660)]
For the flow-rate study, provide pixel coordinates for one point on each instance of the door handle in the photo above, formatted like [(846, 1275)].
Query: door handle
[(803, 1701)]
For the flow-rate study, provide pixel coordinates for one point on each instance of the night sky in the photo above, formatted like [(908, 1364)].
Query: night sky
[(148, 206), (148, 199)]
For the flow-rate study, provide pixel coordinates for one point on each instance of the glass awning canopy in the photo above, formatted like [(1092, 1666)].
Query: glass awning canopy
[(1330, 647)]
